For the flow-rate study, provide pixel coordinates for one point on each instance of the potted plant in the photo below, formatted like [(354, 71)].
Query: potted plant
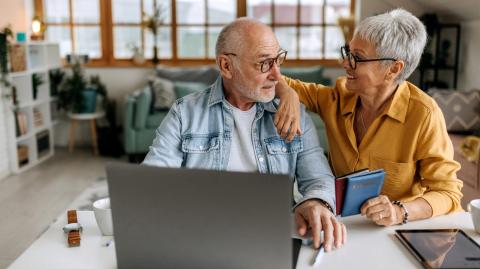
[(5, 34), (96, 85), (78, 95), (56, 77), (36, 82), (152, 22)]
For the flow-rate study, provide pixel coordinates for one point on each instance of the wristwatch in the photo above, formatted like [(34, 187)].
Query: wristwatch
[(73, 228)]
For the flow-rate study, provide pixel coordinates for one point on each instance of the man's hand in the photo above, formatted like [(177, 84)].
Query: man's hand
[(287, 118), (312, 214), (381, 211)]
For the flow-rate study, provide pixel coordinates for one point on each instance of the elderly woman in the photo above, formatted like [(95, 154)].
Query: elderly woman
[(375, 119)]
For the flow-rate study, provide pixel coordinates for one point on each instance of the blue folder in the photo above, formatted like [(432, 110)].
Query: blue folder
[(359, 189)]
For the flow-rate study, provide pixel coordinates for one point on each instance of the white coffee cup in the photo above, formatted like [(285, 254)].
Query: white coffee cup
[(103, 215), (474, 208)]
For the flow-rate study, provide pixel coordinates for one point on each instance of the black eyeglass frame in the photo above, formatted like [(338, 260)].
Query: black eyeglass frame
[(267, 64), (354, 59)]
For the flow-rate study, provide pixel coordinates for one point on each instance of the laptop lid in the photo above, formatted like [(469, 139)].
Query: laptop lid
[(186, 218)]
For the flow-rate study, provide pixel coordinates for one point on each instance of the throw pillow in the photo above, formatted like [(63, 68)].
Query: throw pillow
[(460, 108), (163, 94), (470, 148)]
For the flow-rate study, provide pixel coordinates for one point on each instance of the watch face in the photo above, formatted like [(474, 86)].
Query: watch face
[(72, 227)]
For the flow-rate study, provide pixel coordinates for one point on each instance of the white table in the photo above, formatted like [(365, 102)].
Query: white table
[(92, 118), (368, 246)]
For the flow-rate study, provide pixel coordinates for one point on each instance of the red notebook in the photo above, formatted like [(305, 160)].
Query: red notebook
[(340, 187)]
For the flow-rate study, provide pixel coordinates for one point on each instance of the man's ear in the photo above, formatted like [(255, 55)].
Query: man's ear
[(225, 66), (395, 70)]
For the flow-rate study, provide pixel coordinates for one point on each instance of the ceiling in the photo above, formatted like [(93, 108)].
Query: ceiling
[(457, 10)]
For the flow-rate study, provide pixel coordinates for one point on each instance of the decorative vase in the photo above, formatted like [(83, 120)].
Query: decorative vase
[(89, 101), (155, 55)]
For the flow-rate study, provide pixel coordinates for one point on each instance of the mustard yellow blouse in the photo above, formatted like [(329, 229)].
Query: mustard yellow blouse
[(408, 140)]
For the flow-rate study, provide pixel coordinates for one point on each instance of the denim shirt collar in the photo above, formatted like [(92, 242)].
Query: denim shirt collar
[(217, 95)]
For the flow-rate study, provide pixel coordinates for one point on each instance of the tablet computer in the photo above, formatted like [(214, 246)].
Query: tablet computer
[(442, 248)]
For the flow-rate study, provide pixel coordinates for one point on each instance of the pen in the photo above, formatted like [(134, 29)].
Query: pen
[(108, 243), (319, 255)]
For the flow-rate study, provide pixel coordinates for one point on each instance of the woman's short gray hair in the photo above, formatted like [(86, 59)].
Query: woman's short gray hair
[(396, 34)]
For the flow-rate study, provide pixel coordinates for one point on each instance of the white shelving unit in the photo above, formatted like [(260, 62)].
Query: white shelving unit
[(36, 135)]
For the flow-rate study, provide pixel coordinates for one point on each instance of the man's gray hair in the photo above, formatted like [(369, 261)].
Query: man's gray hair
[(230, 38), (396, 34)]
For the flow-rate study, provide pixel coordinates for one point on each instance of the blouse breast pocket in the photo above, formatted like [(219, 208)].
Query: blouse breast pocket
[(398, 176), (201, 151), (282, 155)]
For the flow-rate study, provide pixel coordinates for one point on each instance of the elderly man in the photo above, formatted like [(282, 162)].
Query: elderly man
[(230, 126)]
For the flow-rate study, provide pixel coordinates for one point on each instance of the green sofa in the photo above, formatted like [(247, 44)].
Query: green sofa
[(140, 122)]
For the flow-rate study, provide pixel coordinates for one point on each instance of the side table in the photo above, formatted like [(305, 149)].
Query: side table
[(92, 117)]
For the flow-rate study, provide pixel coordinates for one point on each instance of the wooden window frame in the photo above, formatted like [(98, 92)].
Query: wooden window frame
[(107, 46)]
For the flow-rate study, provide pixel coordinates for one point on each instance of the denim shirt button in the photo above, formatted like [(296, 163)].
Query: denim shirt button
[(200, 147), (260, 159), (284, 149)]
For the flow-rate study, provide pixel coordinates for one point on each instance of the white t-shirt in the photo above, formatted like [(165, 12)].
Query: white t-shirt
[(242, 156)]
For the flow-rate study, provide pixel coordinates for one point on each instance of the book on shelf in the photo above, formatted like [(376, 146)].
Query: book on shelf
[(18, 58), (22, 153), (22, 123), (354, 189), (43, 143), (37, 118)]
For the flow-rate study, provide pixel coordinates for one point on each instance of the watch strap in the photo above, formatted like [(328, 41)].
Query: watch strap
[(73, 236)]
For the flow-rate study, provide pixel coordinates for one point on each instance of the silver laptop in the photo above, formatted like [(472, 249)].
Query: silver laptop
[(182, 218)]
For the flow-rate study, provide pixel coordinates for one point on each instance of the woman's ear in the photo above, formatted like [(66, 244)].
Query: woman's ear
[(225, 65), (395, 70)]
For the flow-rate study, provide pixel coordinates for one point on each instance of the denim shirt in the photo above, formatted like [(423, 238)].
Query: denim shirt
[(197, 133)]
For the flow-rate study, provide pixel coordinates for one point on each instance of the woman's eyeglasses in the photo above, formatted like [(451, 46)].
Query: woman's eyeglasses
[(354, 59)]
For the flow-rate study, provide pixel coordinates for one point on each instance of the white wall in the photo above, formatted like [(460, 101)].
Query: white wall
[(469, 75), (16, 13), (374, 7), (4, 160)]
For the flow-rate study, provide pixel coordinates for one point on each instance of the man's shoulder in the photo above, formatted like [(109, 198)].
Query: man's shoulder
[(193, 100)]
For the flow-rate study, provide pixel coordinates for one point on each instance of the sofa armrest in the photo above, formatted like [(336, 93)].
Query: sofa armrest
[(128, 122), (142, 108)]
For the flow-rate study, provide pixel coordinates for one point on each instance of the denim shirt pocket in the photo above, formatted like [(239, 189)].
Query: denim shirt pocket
[(282, 156), (201, 151)]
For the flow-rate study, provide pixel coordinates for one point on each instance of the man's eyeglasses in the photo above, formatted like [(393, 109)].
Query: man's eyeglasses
[(354, 59), (267, 64)]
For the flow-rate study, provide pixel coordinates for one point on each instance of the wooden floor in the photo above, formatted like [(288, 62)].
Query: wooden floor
[(30, 201)]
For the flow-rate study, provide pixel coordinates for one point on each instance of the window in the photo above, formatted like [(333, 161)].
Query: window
[(110, 30), (75, 25)]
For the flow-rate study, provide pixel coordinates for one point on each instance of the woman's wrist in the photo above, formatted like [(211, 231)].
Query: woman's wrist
[(284, 91), (401, 212)]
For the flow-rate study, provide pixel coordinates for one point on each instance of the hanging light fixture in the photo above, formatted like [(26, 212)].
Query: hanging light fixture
[(38, 28)]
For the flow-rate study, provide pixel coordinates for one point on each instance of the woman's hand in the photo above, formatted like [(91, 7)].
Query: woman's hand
[(381, 211), (287, 118)]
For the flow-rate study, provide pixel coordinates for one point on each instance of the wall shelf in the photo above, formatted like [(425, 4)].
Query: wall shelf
[(30, 124), (439, 65)]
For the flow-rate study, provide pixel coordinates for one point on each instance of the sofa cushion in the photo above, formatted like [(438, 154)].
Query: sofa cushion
[(461, 109), (154, 120), (185, 88), (203, 74), (163, 94), (142, 108), (307, 74)]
